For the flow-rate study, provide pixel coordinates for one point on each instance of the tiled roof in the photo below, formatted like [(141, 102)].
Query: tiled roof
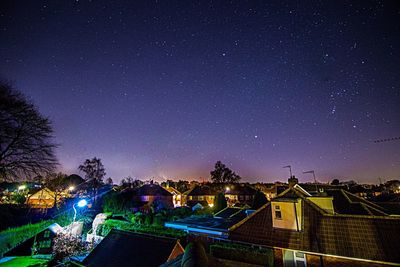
[(357, 236), (152, 190), (121, 248), (203, 190), (238, 189), (346, 203)]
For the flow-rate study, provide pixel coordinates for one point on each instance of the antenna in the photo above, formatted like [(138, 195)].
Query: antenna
[(290, 169), (315, 180)]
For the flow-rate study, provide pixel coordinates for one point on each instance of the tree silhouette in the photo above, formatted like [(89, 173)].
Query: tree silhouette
[(219, 202), (94, 173), (335, 182), (259, 200), (222, 174), (26, 146)]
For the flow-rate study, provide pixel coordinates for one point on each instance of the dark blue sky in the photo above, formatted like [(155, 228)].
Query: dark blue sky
[(165, 89)]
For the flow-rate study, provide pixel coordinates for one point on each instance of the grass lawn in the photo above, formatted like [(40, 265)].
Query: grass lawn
[(22, 262)]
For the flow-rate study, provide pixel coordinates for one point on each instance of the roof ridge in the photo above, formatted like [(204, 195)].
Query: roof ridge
[(370, 207), (364, 200), (233, 227)]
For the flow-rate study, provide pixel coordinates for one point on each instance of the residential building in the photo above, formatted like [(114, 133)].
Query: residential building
[(333, 228), (239, 194), (202, 194), (43, 199), (148, 193), (176, 196)]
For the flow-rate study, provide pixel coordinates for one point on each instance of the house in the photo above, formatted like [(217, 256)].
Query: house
[(239, 194), (202, 194), (42, 199), (335, 228), (148, 193), (176, 196), (39, 245), (271, 190), (122, 248)]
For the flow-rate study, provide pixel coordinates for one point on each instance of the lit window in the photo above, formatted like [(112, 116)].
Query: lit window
[(47, 234)]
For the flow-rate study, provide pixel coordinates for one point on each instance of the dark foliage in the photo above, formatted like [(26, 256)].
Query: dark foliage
[(335, 182), (222, 174), (118, 202), (195, 255), (219, 202), (259, 200)]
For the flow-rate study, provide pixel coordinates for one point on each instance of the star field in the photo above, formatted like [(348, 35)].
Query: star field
[(164, 89)]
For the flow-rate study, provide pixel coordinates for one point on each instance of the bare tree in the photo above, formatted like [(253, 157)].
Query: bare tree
[(26, 145)]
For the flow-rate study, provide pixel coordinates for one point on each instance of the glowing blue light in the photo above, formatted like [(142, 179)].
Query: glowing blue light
[(82, 203)]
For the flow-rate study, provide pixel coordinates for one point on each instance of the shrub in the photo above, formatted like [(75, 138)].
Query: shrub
[(242, 253), (159, 220), (142, 228), (66, 245)]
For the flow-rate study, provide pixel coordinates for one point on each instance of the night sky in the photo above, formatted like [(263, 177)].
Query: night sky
[(165, 89)]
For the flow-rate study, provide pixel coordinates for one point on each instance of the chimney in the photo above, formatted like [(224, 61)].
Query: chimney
[(293, 181)]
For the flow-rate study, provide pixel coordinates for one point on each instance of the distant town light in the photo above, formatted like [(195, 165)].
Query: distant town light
[(227, 188), (22, 187), (71, 188), (82, 203)]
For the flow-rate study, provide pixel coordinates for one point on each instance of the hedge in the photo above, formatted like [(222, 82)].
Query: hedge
[(147, 229), (243, 253)]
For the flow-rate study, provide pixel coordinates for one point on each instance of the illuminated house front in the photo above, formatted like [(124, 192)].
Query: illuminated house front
[(43, 199), (148, 193), (202, 194), (239, 194), (176, 196)]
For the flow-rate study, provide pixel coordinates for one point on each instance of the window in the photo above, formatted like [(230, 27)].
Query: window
[(278, 213), (47, 234), (294, 259)]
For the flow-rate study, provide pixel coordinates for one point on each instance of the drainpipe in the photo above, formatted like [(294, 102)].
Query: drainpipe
[(295, 214)]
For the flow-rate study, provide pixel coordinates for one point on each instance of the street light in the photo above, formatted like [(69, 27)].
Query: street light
[(81, 203), (71, 188)]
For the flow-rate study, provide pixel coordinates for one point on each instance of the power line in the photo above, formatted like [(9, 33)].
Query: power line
[(387, 139)]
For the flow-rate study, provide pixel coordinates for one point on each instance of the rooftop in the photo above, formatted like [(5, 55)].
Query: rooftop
[(122, 248)]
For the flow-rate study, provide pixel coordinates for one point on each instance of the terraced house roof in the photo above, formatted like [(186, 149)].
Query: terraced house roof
[(362, 231)]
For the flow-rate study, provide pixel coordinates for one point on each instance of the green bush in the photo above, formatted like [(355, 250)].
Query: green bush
[(159, 220), (242, 253), (142, 228)]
